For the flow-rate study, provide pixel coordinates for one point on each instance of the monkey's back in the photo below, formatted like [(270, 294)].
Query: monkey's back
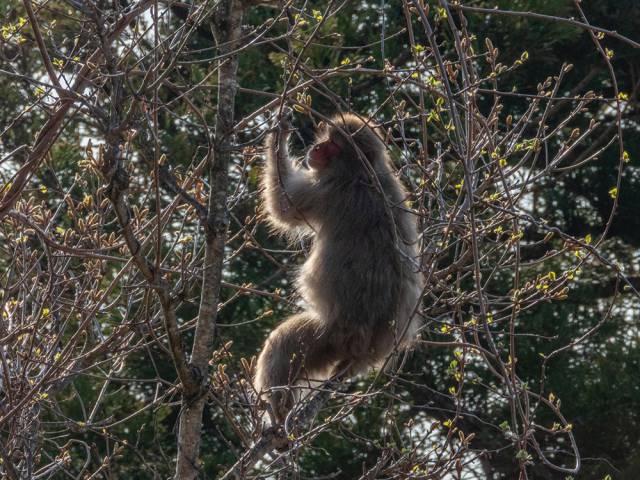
[(357, 279)]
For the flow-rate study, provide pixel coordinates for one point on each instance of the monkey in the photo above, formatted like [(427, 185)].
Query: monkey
[(360, 283)]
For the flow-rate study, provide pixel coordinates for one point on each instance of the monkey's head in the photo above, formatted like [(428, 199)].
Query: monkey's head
[(341, 144)]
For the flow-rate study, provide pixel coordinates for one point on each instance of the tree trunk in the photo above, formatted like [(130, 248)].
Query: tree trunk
[(227, 29)]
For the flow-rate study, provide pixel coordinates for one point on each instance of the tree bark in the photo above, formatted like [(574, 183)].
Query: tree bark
[(227, 30)]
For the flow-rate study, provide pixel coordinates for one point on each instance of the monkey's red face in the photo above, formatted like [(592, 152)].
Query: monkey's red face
[(323, 153)]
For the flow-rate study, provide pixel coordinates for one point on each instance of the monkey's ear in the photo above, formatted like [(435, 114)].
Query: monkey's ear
[(322, 126)]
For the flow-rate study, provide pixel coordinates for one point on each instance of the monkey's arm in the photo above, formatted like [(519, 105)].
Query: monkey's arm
[(288, 190)]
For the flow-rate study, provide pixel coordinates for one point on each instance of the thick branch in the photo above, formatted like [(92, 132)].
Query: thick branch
[(275, 437), (227, 30)]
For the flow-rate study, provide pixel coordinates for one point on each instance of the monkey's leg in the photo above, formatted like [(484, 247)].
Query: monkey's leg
[(295, 347)]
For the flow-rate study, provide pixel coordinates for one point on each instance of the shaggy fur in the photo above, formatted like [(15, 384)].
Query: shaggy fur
[(360, 281)]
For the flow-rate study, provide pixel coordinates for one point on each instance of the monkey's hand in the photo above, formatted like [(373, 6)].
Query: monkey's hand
[(283, 121)]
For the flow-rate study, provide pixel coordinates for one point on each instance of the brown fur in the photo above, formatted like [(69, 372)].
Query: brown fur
[(360, 281)]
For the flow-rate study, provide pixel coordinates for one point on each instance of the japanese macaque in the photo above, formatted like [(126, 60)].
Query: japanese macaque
[(361, 281)]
